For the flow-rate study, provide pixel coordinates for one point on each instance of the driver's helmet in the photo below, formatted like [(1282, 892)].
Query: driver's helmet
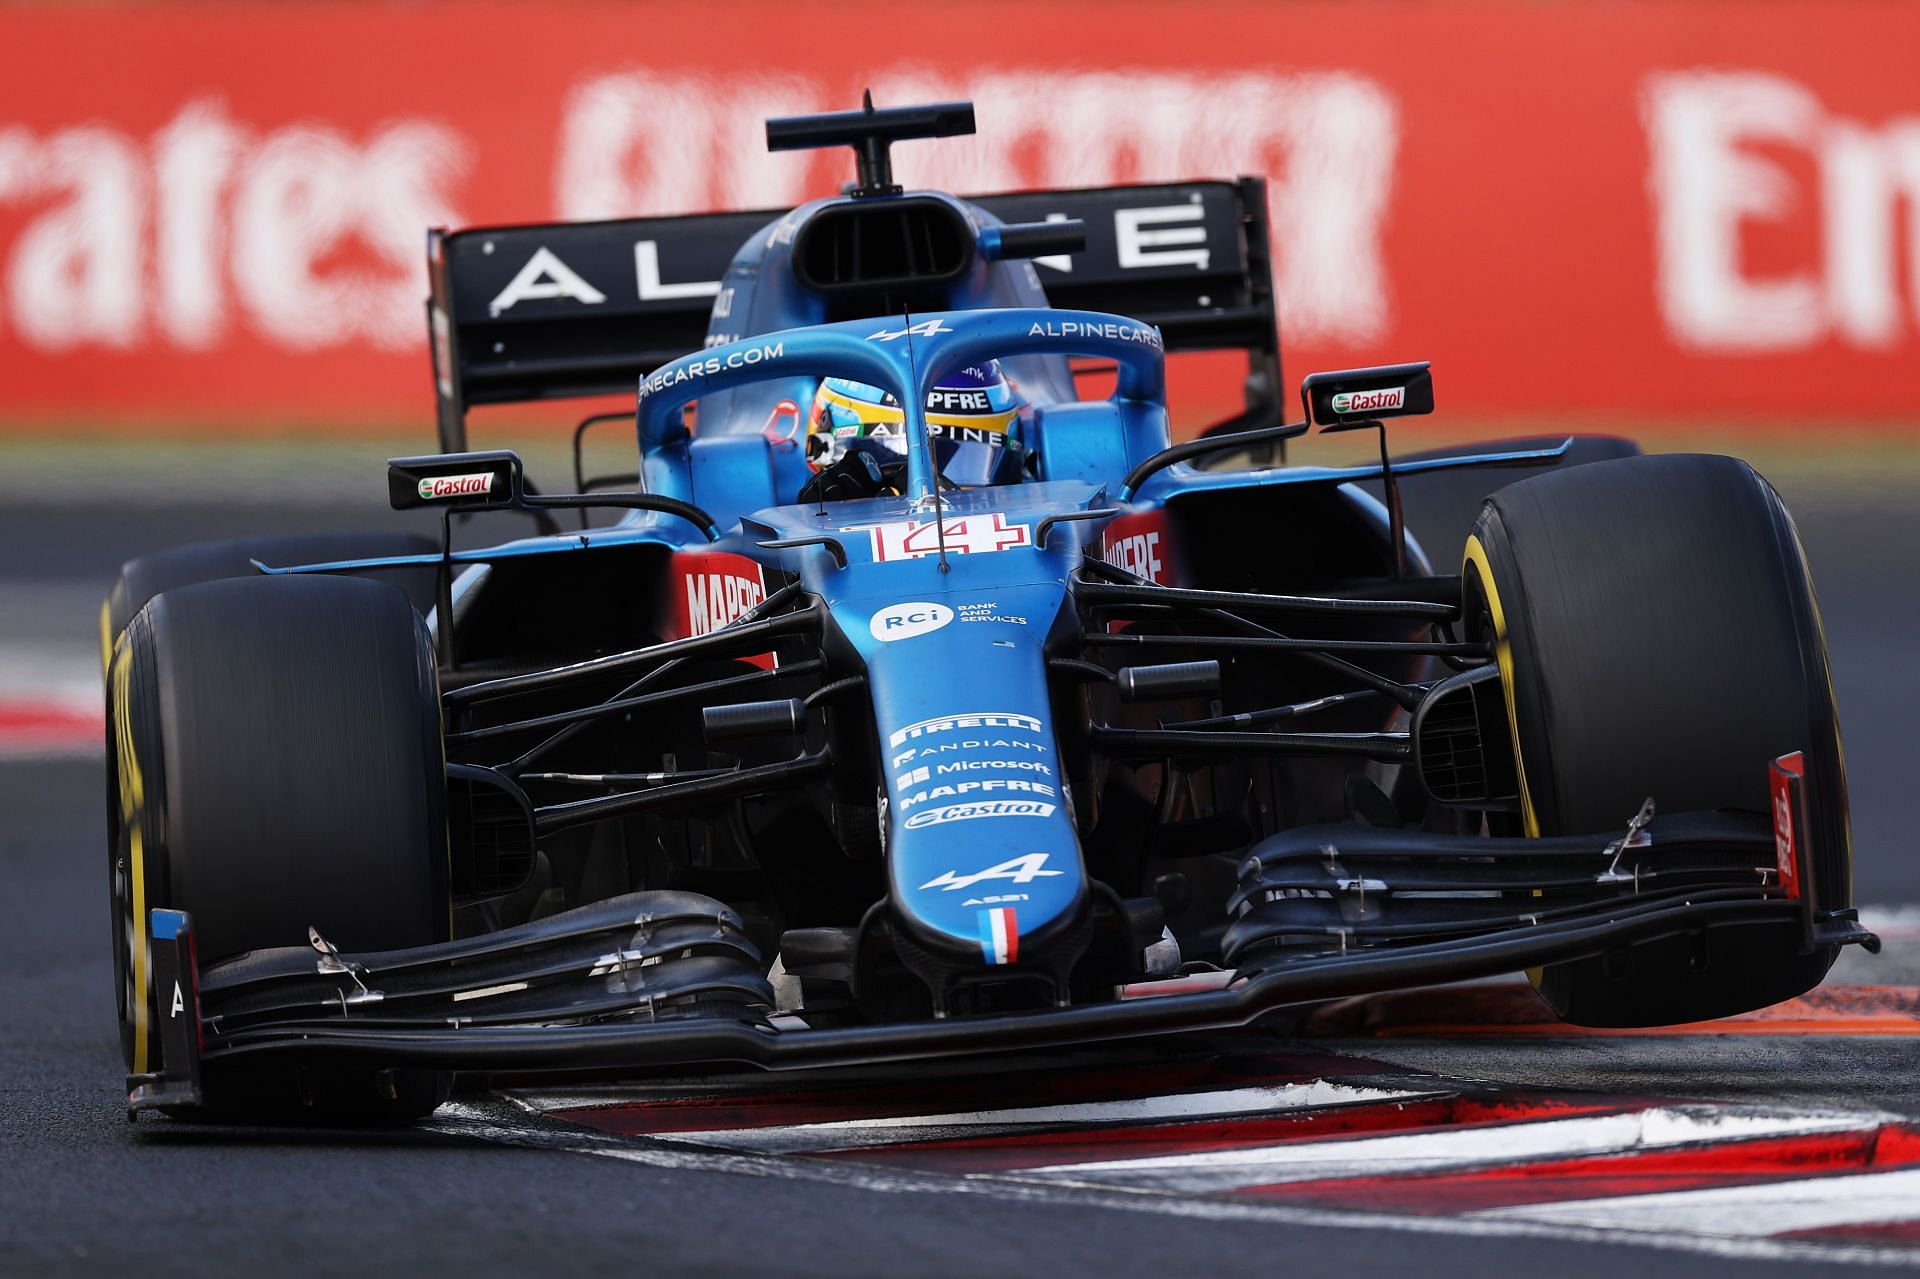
[(972, 419)]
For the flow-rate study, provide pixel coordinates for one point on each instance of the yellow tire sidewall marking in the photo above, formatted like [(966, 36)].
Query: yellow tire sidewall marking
[(132, 798), (1476, 556)]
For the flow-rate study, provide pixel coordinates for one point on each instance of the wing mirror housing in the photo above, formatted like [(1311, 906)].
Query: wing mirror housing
[(490, 481), (1358, 397)]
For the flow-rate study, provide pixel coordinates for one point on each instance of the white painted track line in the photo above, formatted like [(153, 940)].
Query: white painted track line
[(506, 1121), (1217, 1171), (847, 1134), (1743, 1211)]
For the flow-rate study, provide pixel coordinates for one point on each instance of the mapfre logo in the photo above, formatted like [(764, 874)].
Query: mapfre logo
[(1139, 554), (716, 599)]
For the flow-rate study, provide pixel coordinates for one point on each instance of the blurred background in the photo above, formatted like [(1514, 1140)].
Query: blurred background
[(1695, 223)]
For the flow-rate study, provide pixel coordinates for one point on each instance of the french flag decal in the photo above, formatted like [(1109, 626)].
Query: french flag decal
[(1000, 935)]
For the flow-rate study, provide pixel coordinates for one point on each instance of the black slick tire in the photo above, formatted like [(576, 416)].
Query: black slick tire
[(1658, 636), (275, 763), (147, 576)]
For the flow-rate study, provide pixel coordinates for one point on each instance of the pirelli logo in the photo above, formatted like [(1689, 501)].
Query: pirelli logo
[(950, 723)]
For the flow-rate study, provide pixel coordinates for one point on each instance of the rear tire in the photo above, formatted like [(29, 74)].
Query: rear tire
[(275, 762), (1658, 636)]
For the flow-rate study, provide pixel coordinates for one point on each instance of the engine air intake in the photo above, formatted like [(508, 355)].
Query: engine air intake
[(883, 245)]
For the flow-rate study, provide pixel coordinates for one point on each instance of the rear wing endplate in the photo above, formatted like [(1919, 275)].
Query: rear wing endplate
[(561, 310)]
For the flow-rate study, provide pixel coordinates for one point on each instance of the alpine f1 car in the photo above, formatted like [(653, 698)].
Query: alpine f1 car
[(913, 702)]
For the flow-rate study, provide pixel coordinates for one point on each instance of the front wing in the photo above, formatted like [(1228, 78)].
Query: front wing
[(664, 979)]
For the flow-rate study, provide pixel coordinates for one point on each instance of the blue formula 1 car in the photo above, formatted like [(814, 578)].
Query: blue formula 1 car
[(911, 702)]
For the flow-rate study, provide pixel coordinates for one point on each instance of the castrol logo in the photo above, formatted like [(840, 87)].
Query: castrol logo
[(444, 486), (1392, 397)]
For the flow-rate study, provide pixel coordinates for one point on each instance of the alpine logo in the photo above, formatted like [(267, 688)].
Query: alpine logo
[(436, 487), (924, 329), (1390, 397), (544, 278), (1021, 870)]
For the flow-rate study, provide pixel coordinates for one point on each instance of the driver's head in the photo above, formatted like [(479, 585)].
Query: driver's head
[(971, 414)]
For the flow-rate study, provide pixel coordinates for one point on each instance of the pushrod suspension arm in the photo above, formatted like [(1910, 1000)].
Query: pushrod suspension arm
[(1176, 743), (1445, 648), (741, 784), (744, 639), (617, 705), (1247, 719), (546, 746), (1407, 698), (1117, 593)]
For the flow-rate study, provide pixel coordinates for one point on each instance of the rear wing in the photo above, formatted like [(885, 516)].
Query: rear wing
[(586, 308)]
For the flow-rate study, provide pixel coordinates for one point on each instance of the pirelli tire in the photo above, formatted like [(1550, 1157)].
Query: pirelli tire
[(147, 576), (275, 762), (1658, 636)]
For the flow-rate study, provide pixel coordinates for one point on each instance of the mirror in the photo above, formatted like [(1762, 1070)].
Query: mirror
[(1356, 396)]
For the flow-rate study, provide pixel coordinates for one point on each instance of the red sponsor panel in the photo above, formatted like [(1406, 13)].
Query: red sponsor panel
[(1784, 779), (1143, 545), (215, 212), (709, 590)]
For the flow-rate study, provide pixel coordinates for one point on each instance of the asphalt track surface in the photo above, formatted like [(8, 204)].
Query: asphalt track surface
[(622, 1181)]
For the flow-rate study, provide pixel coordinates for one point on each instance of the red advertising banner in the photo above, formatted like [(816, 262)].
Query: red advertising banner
[(216, 212)]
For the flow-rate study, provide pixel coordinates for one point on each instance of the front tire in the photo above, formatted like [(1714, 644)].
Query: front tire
[(1658, 636), (275, 762), (146, 576)]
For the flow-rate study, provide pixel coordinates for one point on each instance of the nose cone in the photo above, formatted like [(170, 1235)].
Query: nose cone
[(983, 859)]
